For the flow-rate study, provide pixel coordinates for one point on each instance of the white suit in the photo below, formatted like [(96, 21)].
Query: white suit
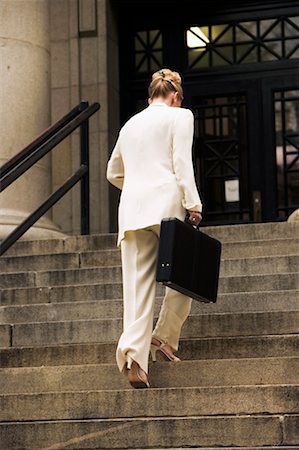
[(152, 164)]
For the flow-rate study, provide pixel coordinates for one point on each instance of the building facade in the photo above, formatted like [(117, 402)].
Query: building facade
[(240, 66)]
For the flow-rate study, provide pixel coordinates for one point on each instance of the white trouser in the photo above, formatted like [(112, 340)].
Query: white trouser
[(139, 251)]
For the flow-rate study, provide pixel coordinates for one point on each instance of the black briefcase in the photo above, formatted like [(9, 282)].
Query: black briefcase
[(188, 260)]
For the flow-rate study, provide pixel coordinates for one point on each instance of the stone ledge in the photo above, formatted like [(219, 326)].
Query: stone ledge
[(257, 431), (200, 325), (207, 373), (190, 349), (84, 309)]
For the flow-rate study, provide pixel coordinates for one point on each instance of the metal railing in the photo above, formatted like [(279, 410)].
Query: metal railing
[(26, 158)]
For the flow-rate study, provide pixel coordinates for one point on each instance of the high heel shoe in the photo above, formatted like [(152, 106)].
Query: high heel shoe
[(165, 350), (137, 377)]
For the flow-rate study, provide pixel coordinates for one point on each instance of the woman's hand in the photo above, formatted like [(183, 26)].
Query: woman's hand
[(195, 218)]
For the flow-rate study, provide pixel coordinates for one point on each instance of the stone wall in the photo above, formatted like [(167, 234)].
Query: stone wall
[(84, 66)]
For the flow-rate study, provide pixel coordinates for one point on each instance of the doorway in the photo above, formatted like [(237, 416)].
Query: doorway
[(246, 149), (240, 69)]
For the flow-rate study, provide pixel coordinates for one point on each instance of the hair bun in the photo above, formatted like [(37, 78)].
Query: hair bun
[(158, 88), (176, 78), (167, 74)]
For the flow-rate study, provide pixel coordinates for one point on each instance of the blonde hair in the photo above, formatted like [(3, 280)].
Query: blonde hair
[(163, 82)]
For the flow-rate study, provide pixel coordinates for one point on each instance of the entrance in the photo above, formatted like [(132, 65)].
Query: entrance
[(240, 64), (246, 149)]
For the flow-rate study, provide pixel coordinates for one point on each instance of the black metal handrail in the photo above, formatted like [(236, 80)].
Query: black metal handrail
[(25, 159)]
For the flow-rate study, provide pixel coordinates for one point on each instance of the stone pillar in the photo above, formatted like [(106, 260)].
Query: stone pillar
[(294, 217), (24, 108)]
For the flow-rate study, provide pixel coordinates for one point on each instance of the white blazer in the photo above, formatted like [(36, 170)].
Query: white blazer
[(152, 164)]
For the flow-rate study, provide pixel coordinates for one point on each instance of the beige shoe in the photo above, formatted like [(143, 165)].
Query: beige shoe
[(137, 377), (165, 350)]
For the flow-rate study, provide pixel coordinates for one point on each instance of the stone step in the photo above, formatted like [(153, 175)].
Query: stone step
[(259, 283), (279, 247), (106, 291), (41, 262), (254, 432), (229, 233), (107, 330), (253, 232), (269, 247), (228, 268), (205, 373), (103, 291), (69, 244), (104, 309), (259, 266), (154, 402), (190, 349), (248, 249)]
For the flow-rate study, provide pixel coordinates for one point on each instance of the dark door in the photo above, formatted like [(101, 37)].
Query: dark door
[(240, 67), (246, 148), (280, 141)]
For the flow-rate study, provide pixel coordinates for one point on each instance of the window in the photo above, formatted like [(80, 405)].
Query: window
[(148, 51), (242, 42)]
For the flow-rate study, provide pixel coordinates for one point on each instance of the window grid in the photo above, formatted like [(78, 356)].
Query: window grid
[(148, 51), (221, 155), (243, 42)]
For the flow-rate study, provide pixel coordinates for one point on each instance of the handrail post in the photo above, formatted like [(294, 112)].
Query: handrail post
[(84, 156)]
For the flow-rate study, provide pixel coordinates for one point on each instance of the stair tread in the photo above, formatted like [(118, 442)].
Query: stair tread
[(114, 279), (242, 432), (252, 242), (191, 315), (192, 348), (153, 391), (104, 330), (293, 256), (218, 313), (201, 373), (237, 386), (117, 282), (154, 402), (57, 311)]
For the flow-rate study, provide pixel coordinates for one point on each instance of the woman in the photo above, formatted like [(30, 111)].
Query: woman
[(152, 164)]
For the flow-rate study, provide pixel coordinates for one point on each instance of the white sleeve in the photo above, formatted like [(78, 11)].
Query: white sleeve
[(115, 167), (183, 129)]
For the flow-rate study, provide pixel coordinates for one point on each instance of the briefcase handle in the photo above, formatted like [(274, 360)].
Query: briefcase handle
[(186, 221)]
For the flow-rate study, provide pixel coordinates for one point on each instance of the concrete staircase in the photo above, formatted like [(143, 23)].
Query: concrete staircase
[(237, 387)]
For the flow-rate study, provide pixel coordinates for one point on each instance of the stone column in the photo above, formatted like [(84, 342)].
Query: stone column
[(24, 108), (294, 217)]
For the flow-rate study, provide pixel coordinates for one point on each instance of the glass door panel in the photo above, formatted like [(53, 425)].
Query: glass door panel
[(221, 156), (286, 105)]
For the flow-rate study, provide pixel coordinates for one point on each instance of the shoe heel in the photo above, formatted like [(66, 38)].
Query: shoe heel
[(153, 353), (135, 378)]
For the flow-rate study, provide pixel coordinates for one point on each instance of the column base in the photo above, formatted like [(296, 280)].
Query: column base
[(294, 217), (42, 229)]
